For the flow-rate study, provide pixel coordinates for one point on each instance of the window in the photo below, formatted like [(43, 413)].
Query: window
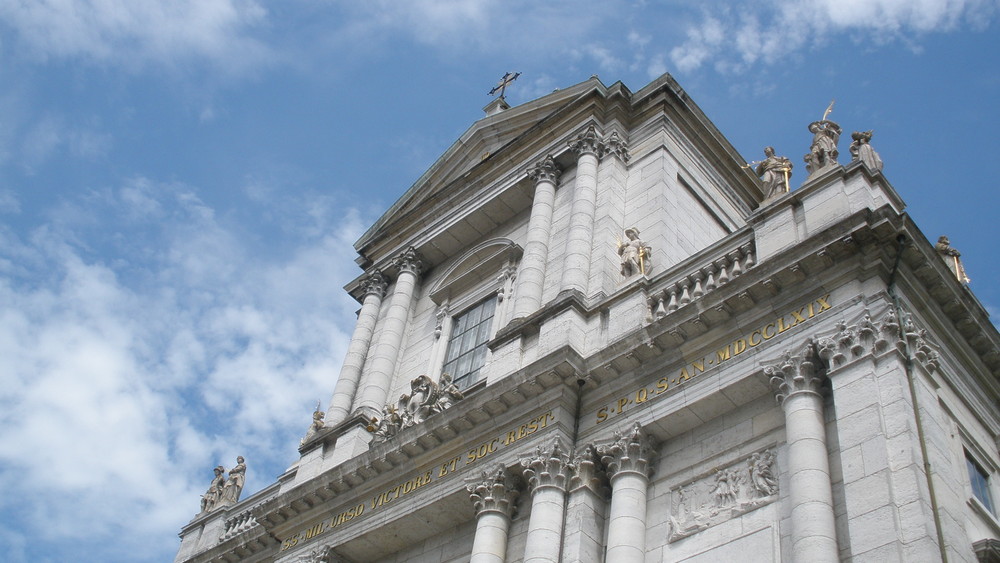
[(980, 481), (467, 345)]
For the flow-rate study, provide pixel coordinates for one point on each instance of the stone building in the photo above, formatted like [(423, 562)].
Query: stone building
[(585, 335)]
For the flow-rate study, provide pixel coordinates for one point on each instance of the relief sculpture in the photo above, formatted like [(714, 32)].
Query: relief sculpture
[(425, 398), (726, 493)]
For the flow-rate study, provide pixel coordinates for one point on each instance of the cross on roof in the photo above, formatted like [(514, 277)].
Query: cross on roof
[(508, 77)]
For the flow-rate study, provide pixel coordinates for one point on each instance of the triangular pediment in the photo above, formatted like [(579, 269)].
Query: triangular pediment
[(480, 143)]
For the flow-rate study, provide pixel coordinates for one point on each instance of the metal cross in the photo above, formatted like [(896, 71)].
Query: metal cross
[(508, 77)]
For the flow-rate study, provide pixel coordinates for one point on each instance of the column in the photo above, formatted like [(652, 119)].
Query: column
[(547, 472), (391, 336), (585, 508), (347, 384), (579, 240), (531, 279), (797, 382), (494, 495), (629, 462)]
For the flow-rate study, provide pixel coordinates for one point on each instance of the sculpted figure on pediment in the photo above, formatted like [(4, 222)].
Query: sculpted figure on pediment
[(823, 151)]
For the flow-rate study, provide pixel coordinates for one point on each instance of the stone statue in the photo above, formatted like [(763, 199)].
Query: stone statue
[(823, 151), (774, 172), (316, 425), (762, 473), (210, 499), (425, 398), (388, 425), (634, 253), (951, 258), (450, 393), (862, 150), (234, 485)]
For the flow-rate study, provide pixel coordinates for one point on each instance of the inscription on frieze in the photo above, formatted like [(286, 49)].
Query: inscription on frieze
[(669, 383), (436, 472)]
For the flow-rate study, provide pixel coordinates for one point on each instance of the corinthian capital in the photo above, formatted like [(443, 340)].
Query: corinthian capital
[(545, 171), (494, 490), (548, 467), (796, 373), (631, 452), (374, 284), (409, 261), (588, 142), (617, 146)]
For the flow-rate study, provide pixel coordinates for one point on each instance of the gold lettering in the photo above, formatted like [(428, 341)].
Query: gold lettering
[(662, 385), (781, 325), (545, 418), (811, 313), (510, 439), (602, 414), (769, 326), (699, 366), (532, 426), (641, 396), (797, 315), (621, 404), (757, 334), (824, 305), (739, 347), (722, 355), (684, 374)]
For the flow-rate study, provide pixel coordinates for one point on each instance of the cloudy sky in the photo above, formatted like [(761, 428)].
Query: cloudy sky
[(181, 183)]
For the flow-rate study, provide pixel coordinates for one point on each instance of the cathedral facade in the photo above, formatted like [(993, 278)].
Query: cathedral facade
[(591, 332)]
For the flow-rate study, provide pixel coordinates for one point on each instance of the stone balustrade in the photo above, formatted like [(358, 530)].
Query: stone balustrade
[(687, 283)]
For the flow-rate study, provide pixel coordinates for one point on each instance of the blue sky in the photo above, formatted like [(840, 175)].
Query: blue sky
[(181, 183)]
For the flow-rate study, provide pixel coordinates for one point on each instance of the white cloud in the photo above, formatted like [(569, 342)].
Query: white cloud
[(126, 377), (743, 35), (139, 31)]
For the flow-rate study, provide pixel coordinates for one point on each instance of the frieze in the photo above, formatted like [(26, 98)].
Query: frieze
[(724, 494), (434, 472), (794, 319)]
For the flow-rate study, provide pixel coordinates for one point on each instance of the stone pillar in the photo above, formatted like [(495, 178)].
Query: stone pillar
[(585, 508), (347, 385), (629, 462), (391, 335), (531, 279), (547, 472), (494, 495), (579, 240), (797, 382)]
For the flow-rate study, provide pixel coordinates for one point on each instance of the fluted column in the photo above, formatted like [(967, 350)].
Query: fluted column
[(547, 472), (629, 462), (531, 279), (391, 336), (347, 384), (579, 240), (494, 494), (797, 382)]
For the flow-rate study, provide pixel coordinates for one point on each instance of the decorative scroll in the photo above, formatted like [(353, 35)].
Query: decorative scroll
[(725, 494)]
